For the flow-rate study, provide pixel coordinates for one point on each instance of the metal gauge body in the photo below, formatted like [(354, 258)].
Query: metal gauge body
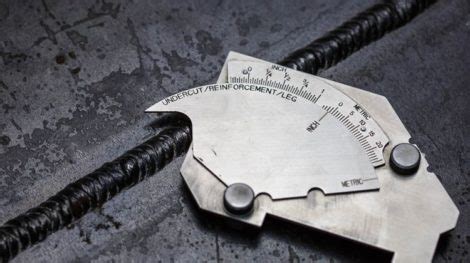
[(275, 142), (268, 140)]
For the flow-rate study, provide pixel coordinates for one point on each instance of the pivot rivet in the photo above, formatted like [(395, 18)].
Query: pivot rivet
[(239, 199), (405, 159)]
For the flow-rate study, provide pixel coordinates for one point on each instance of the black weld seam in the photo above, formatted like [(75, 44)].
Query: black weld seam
[(354, 34), (91, 191)]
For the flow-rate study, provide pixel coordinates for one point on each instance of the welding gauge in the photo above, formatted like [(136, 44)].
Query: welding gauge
[(269, 140)]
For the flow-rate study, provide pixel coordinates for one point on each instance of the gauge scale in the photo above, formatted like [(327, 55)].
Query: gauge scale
[(272, 140), (319, 91)]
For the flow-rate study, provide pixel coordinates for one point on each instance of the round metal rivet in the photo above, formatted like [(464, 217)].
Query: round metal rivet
[(405, 159), (239, 199)]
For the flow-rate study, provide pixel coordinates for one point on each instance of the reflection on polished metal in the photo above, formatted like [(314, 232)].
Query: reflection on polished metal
[(405, 158), (406, 216)]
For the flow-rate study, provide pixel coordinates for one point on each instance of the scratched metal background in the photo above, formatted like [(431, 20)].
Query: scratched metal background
[(75, 77)]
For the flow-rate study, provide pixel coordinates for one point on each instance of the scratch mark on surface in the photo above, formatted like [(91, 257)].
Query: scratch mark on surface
[(136, 42), (48, 11), (107, 10), (217, 247), (16, 125)]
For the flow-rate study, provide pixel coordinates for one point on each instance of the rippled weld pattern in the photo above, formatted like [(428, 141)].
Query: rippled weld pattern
[(354, 34)]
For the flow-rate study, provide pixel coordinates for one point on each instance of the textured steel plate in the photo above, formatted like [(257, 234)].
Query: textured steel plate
[(76, 77)]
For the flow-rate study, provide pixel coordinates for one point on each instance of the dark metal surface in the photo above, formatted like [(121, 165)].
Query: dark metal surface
[(75, 78)]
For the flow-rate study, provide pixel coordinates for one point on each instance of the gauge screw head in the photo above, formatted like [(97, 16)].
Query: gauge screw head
[(405, 159), (239, 199)]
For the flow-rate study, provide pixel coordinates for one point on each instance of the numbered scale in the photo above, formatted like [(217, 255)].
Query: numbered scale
[(320, 92), (268, 140)]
